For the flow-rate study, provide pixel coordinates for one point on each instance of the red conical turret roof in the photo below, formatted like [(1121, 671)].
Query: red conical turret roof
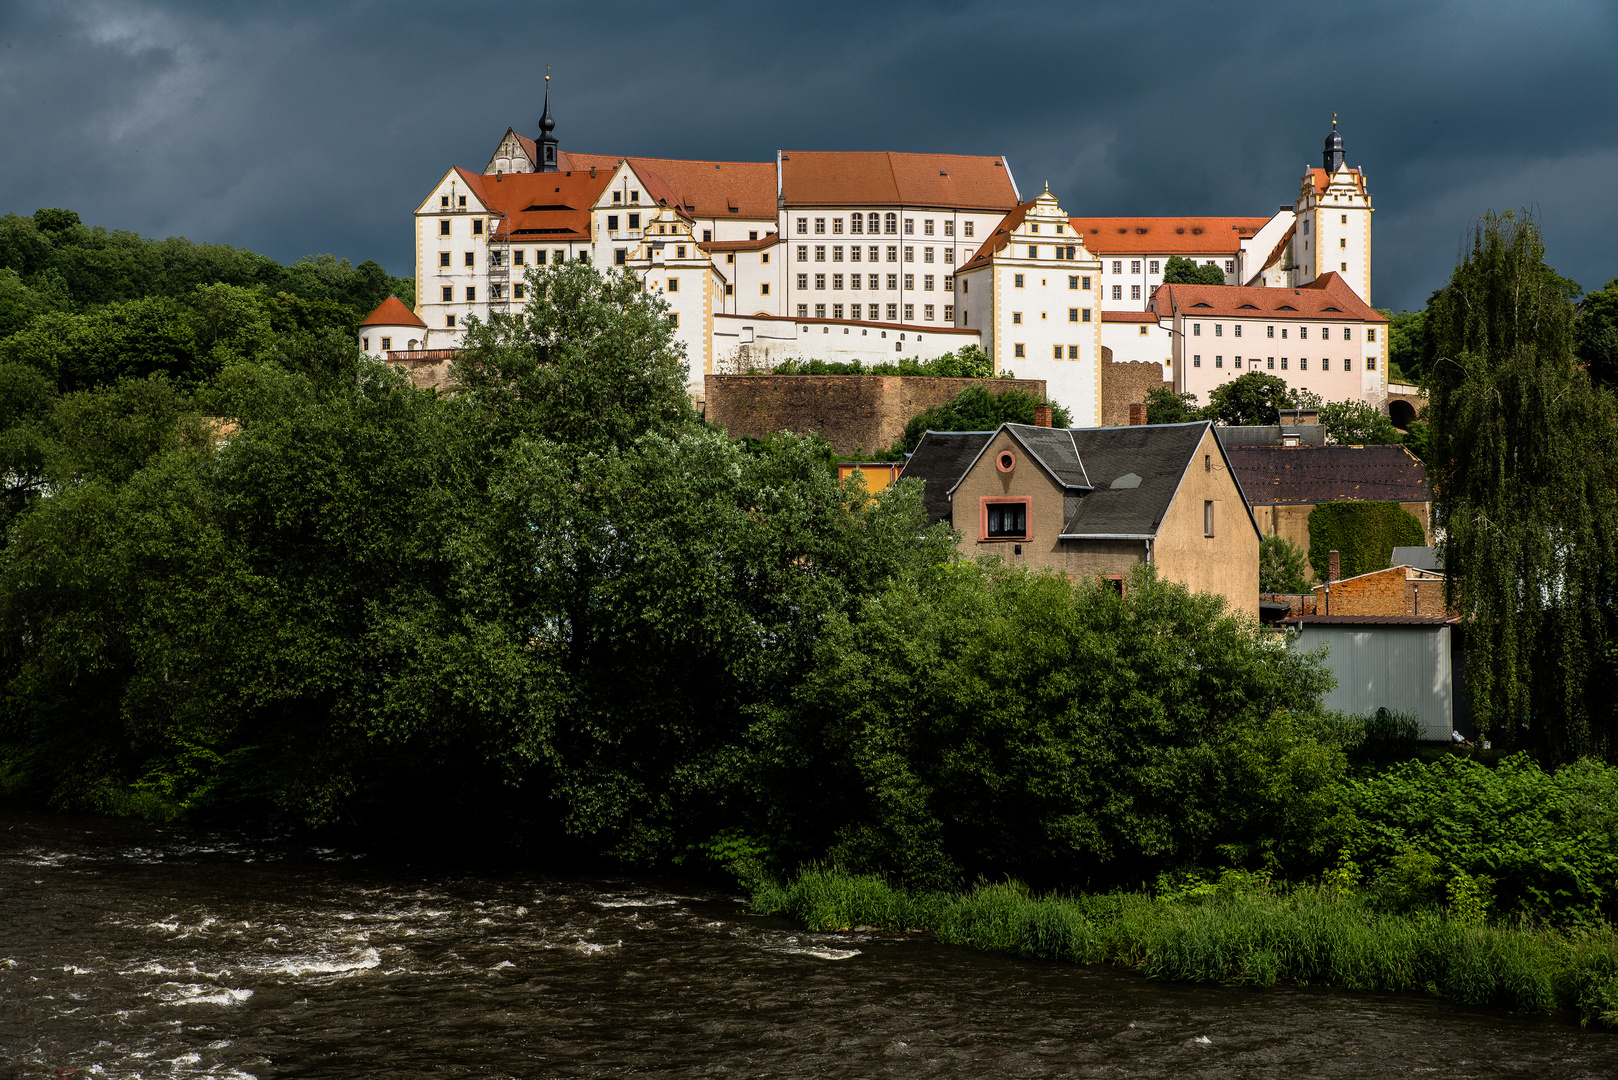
[(392, 312)]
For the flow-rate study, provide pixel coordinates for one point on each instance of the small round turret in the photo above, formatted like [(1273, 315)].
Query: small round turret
[(1332, 157)]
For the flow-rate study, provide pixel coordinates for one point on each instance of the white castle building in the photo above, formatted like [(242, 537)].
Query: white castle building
[(870, 255)]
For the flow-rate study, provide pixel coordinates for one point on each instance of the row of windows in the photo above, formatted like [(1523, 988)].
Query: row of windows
[(1073, 315), (1074, 281), (618, 197), (1269, 331), (1154, 266), (1269, 363), (874, 253), (858, 311), (1060, 252), (874, 223), (519, 257), (1020, 352), (927, 281)]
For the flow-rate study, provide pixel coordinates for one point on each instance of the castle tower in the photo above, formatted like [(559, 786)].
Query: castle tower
[(1333, 232), (546, 143)]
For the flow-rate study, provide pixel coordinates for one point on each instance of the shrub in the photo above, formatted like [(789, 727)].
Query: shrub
[(1363, 533)]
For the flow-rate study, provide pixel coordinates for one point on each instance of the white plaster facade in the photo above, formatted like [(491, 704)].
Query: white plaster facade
[(1030, 292)]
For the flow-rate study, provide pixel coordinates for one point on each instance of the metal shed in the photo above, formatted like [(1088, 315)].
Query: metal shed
[(1406, 664)]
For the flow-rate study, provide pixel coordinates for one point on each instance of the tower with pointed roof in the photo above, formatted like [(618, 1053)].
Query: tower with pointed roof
[(546, 143), (1333, 229)]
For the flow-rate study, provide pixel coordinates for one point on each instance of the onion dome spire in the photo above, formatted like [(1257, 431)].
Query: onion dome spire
[(1332, 157), (547, 142)]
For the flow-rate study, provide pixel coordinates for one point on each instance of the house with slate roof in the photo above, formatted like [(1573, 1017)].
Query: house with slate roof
[(1283, 484), (1097, 501)]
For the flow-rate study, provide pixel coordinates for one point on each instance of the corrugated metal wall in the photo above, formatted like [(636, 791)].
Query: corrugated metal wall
[(1405, 668)]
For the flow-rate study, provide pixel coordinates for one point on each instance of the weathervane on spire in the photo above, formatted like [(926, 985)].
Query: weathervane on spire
[(547, 141)]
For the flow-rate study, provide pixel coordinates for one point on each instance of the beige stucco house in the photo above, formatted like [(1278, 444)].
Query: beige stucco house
[(1097, 501)]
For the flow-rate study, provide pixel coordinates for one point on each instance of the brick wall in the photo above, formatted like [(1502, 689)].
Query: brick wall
[(1124, 384), (1395, 591), (855, 412)]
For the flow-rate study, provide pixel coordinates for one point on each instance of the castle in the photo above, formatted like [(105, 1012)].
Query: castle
[(877, 256)]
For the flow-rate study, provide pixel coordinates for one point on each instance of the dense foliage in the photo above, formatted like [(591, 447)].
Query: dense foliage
[(1357, 423), (1182, 271), (977, 408), (970, 362), (1540, 844), (52, 262), (1524, 461), (1595, 334), (1363, 534), (977, 720), (1280, 566)]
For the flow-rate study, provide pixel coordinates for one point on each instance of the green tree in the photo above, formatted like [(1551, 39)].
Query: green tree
[(1524, 466), (1596, 334), (1253, 398), (977, 408), (1183, 271), (1357, 423), (1280, 566), (1363, 534), (1408, 347), (1164, 406), (981, 720)]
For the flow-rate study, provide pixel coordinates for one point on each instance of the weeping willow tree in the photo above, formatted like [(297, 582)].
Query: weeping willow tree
[(1524, 459)]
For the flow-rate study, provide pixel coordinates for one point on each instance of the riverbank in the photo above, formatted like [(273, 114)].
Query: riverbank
[(1241, 932)]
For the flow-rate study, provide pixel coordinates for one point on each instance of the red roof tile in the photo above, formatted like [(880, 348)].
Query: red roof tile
[(540, 206), (1327, 297), (392, 312), (768, 240), (883, 178), (716, 189), (1321, 179), (1129, 316), (999, 238), (1166, 235)]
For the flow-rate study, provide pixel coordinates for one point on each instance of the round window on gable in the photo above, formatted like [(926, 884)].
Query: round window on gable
[(1005, 461)]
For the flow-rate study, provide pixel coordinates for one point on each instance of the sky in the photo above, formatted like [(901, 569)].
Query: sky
[(309, 126)]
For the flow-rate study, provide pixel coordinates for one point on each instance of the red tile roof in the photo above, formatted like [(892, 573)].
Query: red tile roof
[(392, 312), (1321, 178), (997, 239), (768, 240), (1327, 297), (716, 189), (1166, 235), (540, 206), (883, 178), (1129, 316)]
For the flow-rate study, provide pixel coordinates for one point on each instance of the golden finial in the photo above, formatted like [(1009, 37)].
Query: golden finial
[(1334, 119)]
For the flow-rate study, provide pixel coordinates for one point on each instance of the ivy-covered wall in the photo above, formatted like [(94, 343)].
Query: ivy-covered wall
[(1363, 533)]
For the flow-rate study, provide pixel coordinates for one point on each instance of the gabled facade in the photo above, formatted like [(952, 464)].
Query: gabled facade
[(1097, 502), (1030, 291)]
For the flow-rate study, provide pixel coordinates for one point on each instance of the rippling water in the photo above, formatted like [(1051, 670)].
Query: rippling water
[(129, 950)]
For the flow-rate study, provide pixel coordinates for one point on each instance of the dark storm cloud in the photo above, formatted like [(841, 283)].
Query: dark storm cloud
[(294, 128)]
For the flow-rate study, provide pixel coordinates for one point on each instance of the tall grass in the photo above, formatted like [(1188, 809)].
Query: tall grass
[(1242, 934)]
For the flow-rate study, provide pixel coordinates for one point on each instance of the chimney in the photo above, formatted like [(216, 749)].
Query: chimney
[(1332, 566), (1042, 416), (1137, 415)]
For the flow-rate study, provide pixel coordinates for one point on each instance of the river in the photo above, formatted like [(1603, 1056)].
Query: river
[(133, 950)]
